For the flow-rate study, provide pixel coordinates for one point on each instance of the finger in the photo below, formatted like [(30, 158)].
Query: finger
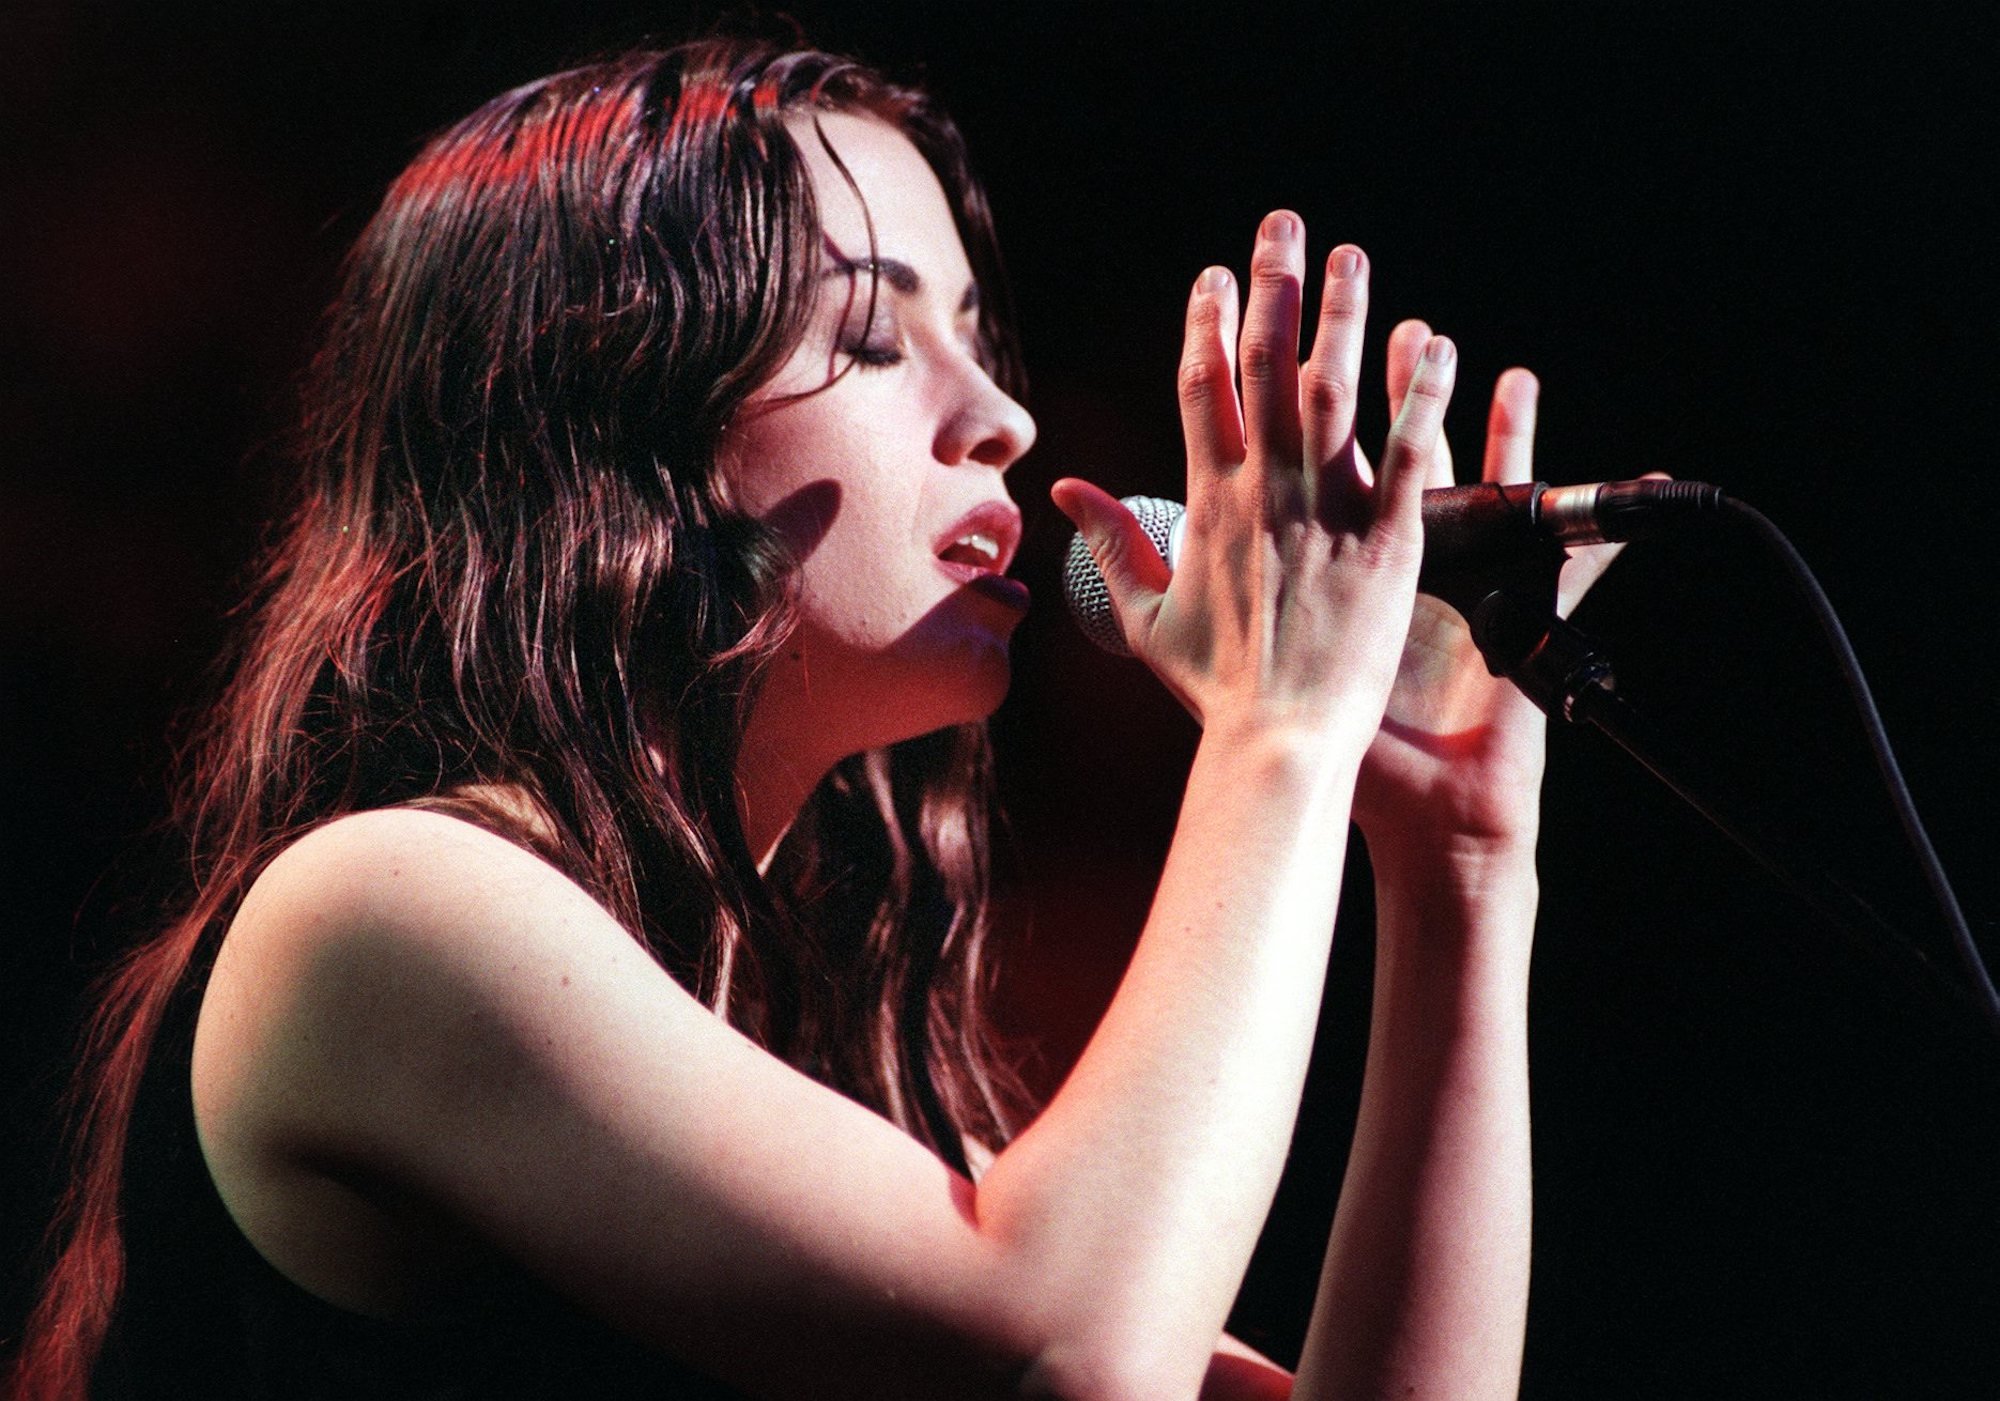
[(1415, 435), (1327, 384), (1134, 574), (1510, 429), (1406, 346), (1210, 419), (1268, 354)]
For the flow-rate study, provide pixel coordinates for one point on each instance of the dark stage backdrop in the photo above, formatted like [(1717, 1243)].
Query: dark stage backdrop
[(1753, 252)]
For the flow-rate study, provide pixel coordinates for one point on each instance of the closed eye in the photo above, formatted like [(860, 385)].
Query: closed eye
[(873, 355)]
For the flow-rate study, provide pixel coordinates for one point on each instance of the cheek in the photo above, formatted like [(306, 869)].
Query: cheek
[(840, 477), (868, 582), (837, 604), (769, 464)]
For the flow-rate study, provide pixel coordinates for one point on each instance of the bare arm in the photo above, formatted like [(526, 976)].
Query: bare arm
[(1294, 573), (1425, 1287)]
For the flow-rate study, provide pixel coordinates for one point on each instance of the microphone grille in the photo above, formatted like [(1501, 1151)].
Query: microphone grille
[(1083, 582)]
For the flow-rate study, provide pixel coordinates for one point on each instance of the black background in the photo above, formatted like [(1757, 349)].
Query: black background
[(1749, 251)]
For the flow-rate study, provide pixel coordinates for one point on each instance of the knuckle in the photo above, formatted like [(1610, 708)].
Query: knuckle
[(1324, 391), (1202, 378), (1342, 301), (1271, 268), (1263, 362), (1408, 440), (1210, 515), (1204, 316), (1392, 550), (1428, 390), (1111, 552)]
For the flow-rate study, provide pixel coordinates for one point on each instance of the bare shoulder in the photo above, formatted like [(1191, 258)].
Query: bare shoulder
[(419, 1032), (373, 914), (394, 937), (388, 979), (406, 873)]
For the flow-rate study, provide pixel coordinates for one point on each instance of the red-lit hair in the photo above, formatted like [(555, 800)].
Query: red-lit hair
[(512, 562)]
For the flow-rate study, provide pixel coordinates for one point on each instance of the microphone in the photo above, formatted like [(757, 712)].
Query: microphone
[(1470, 532)]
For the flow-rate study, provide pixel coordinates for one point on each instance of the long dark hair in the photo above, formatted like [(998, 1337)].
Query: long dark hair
[(512, 566)]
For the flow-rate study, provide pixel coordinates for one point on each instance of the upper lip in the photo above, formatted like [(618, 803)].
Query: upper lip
[(999, 521)]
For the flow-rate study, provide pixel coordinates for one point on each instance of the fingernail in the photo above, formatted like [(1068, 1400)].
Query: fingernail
[(1440, 351), (1213, 280), (1346, 263), (1281, 227)]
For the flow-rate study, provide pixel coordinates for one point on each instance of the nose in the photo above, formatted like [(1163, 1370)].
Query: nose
[(984, 424)]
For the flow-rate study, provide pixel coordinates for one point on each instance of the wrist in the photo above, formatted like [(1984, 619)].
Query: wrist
[(1420, 855), (1288, 739), (1270, 754), (1297, 780), (1457, 892)]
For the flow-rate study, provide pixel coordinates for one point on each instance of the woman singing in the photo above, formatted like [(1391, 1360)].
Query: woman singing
[(578, 989)]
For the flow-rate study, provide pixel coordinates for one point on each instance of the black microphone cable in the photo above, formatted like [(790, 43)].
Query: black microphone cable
[(1980, 981)]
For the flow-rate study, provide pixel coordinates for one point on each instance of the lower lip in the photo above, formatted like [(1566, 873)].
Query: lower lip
[(998, 587)]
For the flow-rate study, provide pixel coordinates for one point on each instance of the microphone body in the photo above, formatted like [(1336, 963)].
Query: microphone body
[(1483, 532)]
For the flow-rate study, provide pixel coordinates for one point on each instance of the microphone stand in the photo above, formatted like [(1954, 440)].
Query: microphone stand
[(1512, 614)]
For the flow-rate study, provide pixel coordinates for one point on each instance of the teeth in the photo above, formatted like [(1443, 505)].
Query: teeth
[(975, 548)]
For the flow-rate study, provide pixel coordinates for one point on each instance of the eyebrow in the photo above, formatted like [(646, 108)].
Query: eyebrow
[(897, 273)]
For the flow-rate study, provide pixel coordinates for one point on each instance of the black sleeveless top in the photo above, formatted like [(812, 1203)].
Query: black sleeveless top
[(203, 1314)]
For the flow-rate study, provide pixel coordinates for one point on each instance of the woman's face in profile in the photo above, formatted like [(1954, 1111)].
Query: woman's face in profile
[(877, 452)]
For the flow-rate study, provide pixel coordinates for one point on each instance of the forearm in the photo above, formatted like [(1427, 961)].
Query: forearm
[(1288, 605), (1141, 1190), (1425, 1287)]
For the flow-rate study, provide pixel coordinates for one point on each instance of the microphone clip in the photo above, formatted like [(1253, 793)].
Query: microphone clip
[(1553, 664), (1503, 583)]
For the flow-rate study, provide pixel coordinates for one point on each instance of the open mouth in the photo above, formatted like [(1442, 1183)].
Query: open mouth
[(983, 539), (974, 550), (978, 548)]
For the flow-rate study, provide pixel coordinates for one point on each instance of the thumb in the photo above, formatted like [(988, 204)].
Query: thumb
[(1134, 574)]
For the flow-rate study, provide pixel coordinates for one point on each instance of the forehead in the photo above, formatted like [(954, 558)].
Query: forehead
[(903, 199)]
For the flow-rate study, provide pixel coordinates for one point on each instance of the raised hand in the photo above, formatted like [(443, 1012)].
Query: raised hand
[(1294, 588), (1292, 613), (1458, 759)]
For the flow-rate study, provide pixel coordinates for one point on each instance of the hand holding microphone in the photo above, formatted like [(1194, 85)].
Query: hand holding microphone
[(1453, 756), (1291, 603)]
